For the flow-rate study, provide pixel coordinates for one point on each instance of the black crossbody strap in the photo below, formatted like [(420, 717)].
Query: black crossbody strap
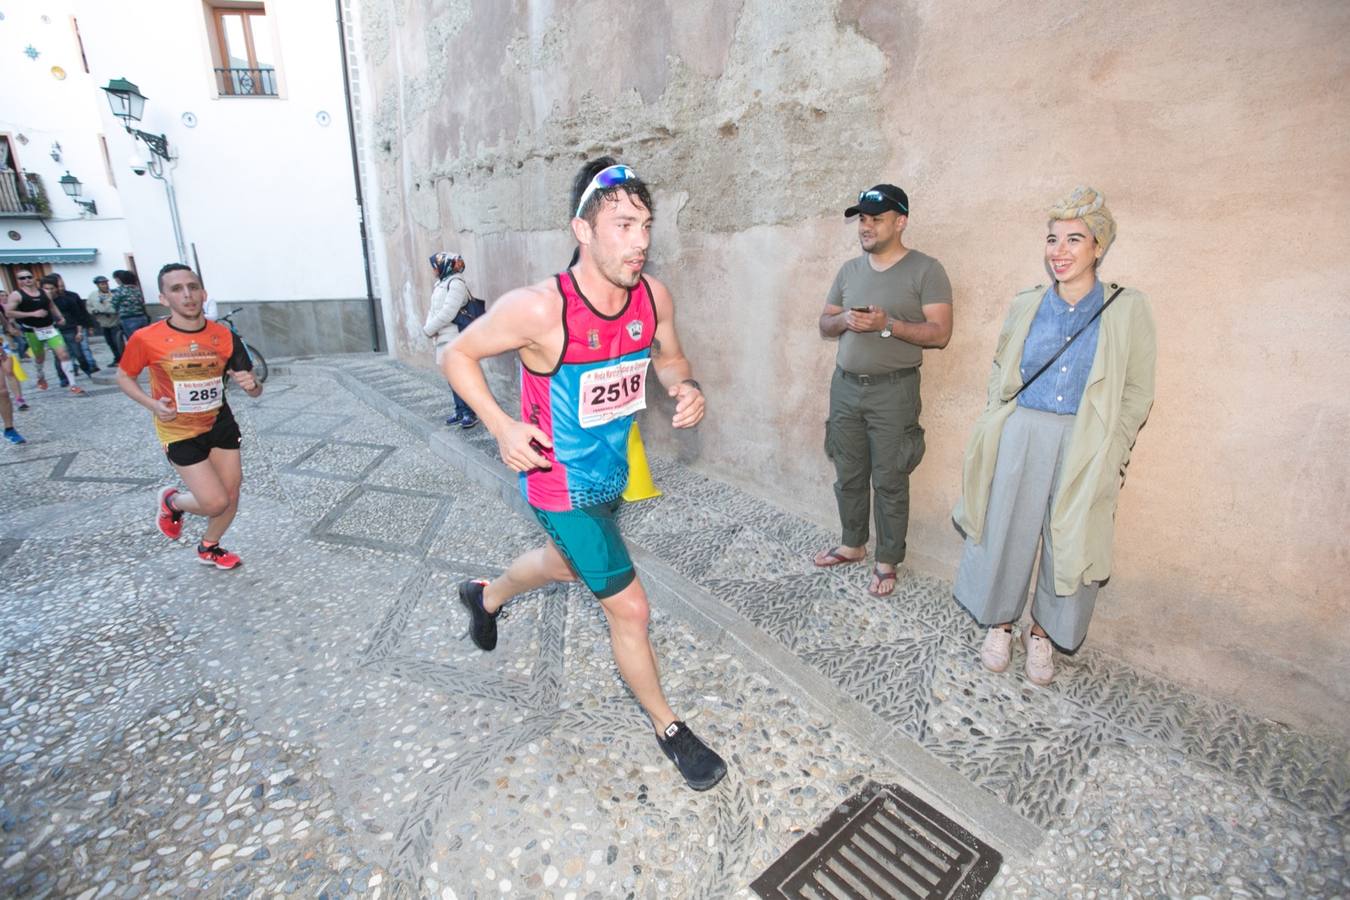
[(1051, 361)]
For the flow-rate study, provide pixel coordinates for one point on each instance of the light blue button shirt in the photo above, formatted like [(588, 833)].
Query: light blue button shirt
[(1061, 387)]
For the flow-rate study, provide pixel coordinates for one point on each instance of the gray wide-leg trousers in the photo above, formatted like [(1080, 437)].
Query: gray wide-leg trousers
[(995, 574)]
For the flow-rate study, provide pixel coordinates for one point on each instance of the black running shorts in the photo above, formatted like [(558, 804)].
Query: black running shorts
[(190, 451)]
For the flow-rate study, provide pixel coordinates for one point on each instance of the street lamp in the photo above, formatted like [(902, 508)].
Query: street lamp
[(71, 185), (128, 104)]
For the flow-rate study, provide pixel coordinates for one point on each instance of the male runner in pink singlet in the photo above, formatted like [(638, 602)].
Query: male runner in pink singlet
[(585, 339)]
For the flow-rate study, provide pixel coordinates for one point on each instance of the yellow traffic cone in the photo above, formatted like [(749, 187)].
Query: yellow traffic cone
[(640, 486), (19, 374)]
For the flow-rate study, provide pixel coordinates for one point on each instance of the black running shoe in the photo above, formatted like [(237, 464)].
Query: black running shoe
[(482, 624), (701, 767)]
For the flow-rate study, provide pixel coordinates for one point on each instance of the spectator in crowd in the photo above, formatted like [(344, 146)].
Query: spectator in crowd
[(88, 330), (129, 302), (13, 369), (100, 306), (451, 304), (885, 307), (6, 404), (1071, 386), (78, 322), (37, 315)]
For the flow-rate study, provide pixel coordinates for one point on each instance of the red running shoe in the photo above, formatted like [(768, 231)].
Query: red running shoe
[(217, 556), (169, 520)]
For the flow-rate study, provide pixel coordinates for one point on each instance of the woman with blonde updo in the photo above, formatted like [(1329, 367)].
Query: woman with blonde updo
[(1072, 384)]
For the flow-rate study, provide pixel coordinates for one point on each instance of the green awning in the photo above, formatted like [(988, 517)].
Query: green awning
[(13, 256)]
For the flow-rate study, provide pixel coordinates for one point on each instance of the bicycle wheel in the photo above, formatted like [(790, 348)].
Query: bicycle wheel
[(259, 363)]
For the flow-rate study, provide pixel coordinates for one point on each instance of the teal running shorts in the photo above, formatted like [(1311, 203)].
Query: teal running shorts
[(590, 542)]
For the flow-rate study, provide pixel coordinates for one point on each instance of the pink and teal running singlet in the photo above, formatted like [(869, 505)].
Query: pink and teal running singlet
[(586, 404)]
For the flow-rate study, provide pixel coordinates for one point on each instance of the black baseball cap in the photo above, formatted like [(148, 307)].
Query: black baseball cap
[(98, 278), (878, 199)]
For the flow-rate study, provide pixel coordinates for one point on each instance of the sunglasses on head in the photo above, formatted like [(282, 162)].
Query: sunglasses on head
[(879, 197), (605, 178)]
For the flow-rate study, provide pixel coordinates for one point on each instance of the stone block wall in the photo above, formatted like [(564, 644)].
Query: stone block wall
[(1216, 132)]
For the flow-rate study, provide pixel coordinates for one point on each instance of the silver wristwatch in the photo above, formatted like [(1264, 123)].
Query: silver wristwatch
[(886, 332)]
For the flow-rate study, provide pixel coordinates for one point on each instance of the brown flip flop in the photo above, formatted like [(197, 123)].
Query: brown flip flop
[(882, 577), (835, 558)]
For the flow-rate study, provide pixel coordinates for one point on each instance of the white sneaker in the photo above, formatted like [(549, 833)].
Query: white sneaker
[(1040, 658), (997, 649)]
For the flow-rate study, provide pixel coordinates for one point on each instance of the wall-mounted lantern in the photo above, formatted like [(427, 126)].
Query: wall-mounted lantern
[(128, 104), (73, 188)]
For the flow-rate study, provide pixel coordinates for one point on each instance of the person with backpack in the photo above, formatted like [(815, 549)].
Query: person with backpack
[(451, 304)]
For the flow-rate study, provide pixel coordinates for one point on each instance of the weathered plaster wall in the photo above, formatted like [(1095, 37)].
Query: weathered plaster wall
[(1218, 132)]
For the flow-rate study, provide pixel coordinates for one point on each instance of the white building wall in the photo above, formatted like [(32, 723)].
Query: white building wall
[(265, 191), (43, 109)]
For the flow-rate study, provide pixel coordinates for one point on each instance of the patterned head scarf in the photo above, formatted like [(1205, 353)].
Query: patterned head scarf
[(1086, 204), (446, 264)]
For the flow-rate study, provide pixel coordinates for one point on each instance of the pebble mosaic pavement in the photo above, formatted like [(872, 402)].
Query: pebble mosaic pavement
[(317, 723)]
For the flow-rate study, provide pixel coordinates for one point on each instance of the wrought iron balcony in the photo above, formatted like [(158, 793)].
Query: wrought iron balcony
[(246, 82), (23, 195)]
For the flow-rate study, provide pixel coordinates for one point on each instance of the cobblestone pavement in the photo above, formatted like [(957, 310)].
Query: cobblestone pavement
[(318, 723)]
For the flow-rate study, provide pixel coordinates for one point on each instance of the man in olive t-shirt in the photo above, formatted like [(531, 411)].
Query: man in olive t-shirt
[(885, 307)]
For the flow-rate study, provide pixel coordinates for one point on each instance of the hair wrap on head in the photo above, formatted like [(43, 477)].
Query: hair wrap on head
[(446, 264), (1086, 204)]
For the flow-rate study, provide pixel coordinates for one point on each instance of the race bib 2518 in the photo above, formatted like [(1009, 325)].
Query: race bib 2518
[(609, 392)]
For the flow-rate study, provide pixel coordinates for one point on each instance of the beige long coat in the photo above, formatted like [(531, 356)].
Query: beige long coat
[(1115, 403)]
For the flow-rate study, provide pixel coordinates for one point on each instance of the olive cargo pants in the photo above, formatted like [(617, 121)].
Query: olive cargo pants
[(873, 435)]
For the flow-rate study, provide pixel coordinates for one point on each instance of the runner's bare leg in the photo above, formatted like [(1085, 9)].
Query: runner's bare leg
[(629, 614), (212, 491), (534, 569)]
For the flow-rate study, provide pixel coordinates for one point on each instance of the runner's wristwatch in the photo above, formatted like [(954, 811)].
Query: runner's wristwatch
[(886, 332)]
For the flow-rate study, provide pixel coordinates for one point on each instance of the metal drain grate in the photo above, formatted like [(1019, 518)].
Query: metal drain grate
[(883, 842)]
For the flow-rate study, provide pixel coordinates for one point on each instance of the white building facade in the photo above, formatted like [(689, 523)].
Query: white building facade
[(259, 189), (50, 128)]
